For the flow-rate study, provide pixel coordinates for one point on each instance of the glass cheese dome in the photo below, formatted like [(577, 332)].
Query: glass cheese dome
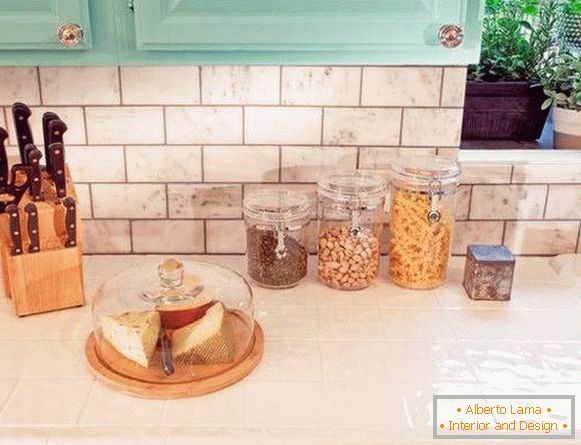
[(174, 323)]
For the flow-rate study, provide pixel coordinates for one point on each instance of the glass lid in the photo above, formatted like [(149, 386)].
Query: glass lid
[(277, 205), (352, 186), (426, 169)]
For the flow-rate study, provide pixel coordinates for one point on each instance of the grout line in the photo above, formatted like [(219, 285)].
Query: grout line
[(402, 114), (358, 160), (200, 84), (91, 204), (322, 125), (279, 164), (205, 228), (442, 87), (360, 85), (511, 179), (546, 202), (124, 147), (469, 203), (131, 236), (85, 123), (503, 239), (202, 150), (166, 201), (578, 246), (164, 121), (220, 105), (280, 85), (243, 125), (119, 84), (39, 85)]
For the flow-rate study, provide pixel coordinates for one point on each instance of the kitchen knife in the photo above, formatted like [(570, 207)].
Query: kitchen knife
[(3, 159), (166, 358), (56, 131), (19, 181), (21, 113), (14, 227), (70, 221), (33, 156), (57, 161), (47, 118), (32, 227)]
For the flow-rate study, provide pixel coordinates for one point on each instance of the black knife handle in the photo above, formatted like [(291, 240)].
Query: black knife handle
[(20, 175), (21, 113), (32, 227), (3, 158), (56, 153), (56, 131), (14, 227), (34, 155), (47, 118), (70, 221)]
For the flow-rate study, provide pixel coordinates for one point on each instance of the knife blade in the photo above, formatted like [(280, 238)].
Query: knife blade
[(47, 118), (32, 227), (33, 156), (14, 228), (3, 159), (56, 154), (70, 221), (21, 113)]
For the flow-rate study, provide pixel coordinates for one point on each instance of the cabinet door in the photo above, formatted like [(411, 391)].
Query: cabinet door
[(303, 25), (34, 24)]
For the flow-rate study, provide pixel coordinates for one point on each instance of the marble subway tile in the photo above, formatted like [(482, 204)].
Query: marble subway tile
[(80, 85), (449, 152), (486, 173), (129, 201), (207, 201), (160, 85), (125, 125), (541, 237), (168, 236), (164, 163), (241, 163), (401, 86), (308, 164), (84, 200), (431, 126), (508, 201), (579, 242), (204, 125), (72, 116), (361, 126), (106, 236), (96, 164), (228, 236), (282, 125), (475, 232), (19, 84), (463, 202), (564, 202), (454, 87), (240, 85), (548, 173), (321, 85), (383, 157), (310, 190)]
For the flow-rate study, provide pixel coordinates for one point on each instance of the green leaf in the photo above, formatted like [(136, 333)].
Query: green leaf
[(547, 103)]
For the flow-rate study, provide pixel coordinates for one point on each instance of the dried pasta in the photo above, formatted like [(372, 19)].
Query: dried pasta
[(419, 249)]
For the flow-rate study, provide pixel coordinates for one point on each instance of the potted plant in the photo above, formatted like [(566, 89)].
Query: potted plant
[(561, 79), (570, 25), (501, 101)]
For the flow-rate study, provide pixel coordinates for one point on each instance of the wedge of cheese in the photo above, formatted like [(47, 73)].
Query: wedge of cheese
[(133, 334), (207, 341), (178, 315)]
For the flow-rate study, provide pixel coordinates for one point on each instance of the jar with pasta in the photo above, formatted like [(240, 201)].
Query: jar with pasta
[(421, 220), (351, 207)]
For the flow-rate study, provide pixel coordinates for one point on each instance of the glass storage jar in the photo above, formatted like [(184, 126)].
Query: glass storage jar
[(351, 207), (277, 237), (421, 219)]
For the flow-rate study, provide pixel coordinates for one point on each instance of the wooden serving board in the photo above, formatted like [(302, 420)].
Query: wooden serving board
[(187, 381)]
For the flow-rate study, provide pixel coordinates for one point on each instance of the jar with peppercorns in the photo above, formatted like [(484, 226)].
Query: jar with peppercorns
[(351, 209)]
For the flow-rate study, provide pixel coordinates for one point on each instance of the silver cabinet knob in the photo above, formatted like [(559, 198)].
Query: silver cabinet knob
[(451, 36), (70, 35)]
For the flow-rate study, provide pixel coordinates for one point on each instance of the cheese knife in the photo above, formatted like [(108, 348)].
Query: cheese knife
[(21, 113), (14, 227), (57, 162), (47, 118), (32, 227), (33, 156), (3, 159), (70, 221), (166, 358)]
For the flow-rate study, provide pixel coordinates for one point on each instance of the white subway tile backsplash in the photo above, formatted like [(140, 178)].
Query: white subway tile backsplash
[(362, 126), (475, 232), (383, 157), (463, 201), (454, 87), (96, 164), (225, 236), (308, 164), (19, 84), (106, 236), (282, 125), (430, 127), (564, 202), (310, 190), (207, 201), (80, 85), (160, 85), (169, 236), (241, 163), (320, 85), (508, 202), (83, 200), (129, 201), (204, 125), (125, 125), (548, 173), (541, 237), (240, 85), (164, 163), (401, 86), (486, 173), (72, 116)]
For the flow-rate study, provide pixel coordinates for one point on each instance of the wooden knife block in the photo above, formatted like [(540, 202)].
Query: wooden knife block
[(51, 279)]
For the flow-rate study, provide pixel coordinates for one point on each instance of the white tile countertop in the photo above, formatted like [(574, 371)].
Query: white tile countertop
[(339, 367)]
